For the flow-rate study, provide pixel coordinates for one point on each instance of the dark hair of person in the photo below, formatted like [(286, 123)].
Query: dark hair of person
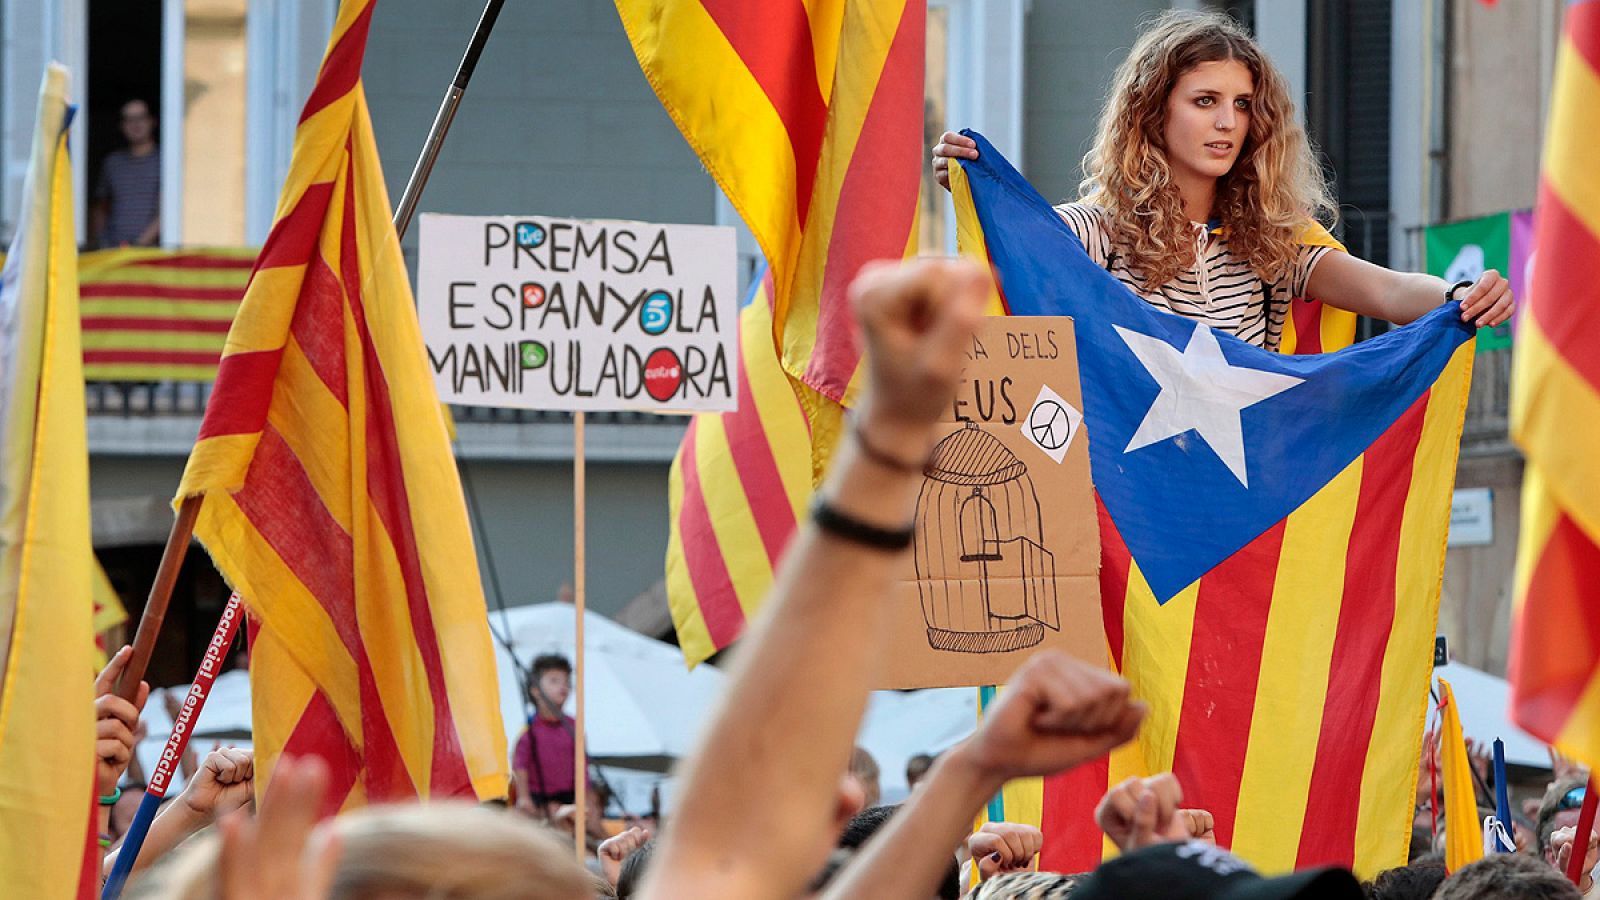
[(1508, 876), (863, 825), (1417, 881), (1550, 806), (631, 875), (1421, 843)]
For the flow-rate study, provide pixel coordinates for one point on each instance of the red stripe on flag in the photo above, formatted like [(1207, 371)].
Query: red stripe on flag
[(1219, 695), (281, 502), (388, 491), (1072, 839), (1307, 326), (702, 556), (752, 454), (318, 327), (1548, 684), (1566, 270), (318, 733), (154, 323), (154, 357), (773, 40), (238, 404), (1115, 565), (342, 68), (1583, 27), (293, 241), (195, 261), (877, 202), (1355, 669), (119, 289), (89, 867)]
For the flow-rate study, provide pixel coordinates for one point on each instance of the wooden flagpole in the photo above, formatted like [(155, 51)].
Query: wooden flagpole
[(580, 781), (155, 608)]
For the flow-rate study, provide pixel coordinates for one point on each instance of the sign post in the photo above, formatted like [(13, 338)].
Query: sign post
[(535, 312)]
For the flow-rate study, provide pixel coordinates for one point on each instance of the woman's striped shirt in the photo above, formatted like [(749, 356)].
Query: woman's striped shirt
[(1221, 290)]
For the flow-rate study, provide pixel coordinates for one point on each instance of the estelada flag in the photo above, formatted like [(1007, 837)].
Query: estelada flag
[(1273, 534), (331, 499), (1555, 418), (47, 724)]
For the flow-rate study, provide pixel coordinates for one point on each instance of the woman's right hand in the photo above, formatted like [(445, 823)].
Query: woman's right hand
[(951, 146)]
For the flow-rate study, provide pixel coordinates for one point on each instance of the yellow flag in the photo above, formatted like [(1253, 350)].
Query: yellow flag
[(1462, 832), (46, 698)]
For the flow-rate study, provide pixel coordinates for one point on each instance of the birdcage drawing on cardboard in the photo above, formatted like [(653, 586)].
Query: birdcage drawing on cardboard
[(986, 582)]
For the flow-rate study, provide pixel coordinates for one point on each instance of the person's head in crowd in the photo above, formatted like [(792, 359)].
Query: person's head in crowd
[(1194, 870), (1417, 881), (866, 823), (1421, 843), (863, 825), (916, 767), (455, 850), (549, 684), (138, 124), (864, 769), (1027, 886), (1562, 802), (1507, 876), (633, 868)]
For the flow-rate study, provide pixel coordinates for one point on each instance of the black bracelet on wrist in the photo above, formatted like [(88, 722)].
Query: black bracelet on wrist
[(1450, 292), (847, 527), (877, 454)]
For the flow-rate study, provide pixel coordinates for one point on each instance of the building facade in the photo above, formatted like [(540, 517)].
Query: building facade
[(1426, 111)]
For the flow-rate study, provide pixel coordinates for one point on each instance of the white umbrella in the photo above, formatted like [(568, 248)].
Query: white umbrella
[(1484, 700)]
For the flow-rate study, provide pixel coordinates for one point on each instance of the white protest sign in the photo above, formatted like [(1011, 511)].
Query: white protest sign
[(577, 314)]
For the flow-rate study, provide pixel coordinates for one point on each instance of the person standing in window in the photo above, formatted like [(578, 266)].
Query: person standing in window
[(127, 199)]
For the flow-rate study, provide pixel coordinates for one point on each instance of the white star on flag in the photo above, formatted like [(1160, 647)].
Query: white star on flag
[(1200, 391)]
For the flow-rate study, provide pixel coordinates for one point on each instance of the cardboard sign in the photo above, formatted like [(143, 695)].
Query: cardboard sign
[(1007, 552), (575, 314)]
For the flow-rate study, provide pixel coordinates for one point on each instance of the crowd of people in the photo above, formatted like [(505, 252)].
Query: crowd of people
[(776, 801), (1198, 169)]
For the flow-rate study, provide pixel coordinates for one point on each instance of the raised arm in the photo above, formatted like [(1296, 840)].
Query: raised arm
[(770, 759), (1055, 714), (1371, 290)]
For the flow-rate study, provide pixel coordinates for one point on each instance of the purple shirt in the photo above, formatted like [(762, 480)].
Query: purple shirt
[(554, 744)]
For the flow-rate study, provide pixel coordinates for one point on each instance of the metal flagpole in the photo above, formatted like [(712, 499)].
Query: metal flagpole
[(441, 119)]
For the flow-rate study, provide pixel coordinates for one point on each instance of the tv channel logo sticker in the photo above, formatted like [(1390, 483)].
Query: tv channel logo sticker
[(655, 313)]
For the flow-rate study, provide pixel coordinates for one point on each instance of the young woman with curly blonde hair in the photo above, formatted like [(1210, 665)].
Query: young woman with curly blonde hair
[(1201, 194)]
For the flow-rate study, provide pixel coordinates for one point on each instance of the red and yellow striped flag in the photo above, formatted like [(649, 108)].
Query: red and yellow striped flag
[(47, 723), (159, 315), (739, 483), (808, 113), (332, 502), (1555, 418)]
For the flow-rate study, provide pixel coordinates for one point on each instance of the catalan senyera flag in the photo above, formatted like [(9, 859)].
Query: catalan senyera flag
[(1272, 545), (1463, 831), (47, 722), (1555, 418), (808, 113), (331, 499), (739, 484), (159, 315)]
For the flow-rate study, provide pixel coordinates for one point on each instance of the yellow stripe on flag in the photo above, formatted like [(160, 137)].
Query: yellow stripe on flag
[(1463, 837), (1569, 165), (1287, 721), (1383, 828), (47, 722)]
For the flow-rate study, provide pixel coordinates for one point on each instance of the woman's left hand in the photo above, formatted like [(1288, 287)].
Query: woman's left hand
[(1488, 302)]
